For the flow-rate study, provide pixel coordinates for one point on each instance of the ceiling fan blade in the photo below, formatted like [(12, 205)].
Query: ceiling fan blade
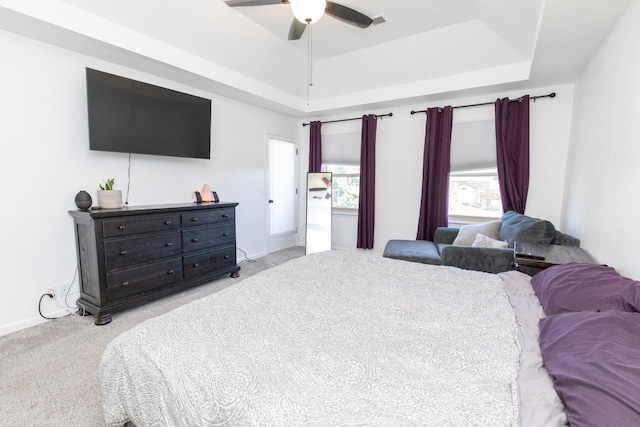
[(348, 15), (296, 30), (237, 3)]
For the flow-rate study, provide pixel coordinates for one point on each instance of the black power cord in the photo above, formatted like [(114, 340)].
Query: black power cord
[(40, 308), (126, 201), (81, 310), (245, 256)]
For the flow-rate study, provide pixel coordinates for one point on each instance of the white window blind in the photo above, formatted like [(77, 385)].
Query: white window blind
[(473, 145), (341, 148)]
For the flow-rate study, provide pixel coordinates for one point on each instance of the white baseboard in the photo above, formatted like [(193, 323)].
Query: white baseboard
[(28, 323)]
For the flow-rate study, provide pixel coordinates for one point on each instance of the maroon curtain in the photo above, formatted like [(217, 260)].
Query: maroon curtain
[(367, 198), (315, 147), (512, 145), (434, 206)]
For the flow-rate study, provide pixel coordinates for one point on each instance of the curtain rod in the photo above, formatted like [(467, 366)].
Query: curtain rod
[(551, 95), (353, 118)]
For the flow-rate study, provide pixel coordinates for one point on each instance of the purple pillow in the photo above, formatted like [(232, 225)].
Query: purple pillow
[(585, 287), (594, 360)]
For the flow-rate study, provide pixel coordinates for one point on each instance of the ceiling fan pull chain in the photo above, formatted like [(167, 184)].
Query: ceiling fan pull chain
[(310, 63)]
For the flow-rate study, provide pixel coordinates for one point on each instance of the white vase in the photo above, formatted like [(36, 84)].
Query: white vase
[(110, 199)]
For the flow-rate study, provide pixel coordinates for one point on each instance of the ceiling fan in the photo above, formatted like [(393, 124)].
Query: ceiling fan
[(335, 10)]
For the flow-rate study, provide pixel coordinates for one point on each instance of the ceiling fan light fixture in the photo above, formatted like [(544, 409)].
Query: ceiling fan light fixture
[(308, 11)]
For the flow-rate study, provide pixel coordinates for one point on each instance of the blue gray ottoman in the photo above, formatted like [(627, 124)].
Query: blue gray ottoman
[(413, 250)]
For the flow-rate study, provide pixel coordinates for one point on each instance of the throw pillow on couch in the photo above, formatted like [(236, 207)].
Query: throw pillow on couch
[(467, 233), (483, 241)]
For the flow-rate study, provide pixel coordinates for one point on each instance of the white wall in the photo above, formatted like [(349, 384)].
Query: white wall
[(602, 203), (45, 161), (399, 150)]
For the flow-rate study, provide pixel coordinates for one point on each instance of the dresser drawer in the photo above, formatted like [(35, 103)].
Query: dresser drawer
[(214, 216), (139, 279), (197, 238), (200, 264), (136, 250), (141, 224)]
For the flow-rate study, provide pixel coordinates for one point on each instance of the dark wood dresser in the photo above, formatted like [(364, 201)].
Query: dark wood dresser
[(132, 255)]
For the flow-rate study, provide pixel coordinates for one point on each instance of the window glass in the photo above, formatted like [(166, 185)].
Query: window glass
[(345, 189), (474, 194)]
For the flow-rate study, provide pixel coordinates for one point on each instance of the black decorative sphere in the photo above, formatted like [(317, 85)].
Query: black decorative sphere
[(83, 200)]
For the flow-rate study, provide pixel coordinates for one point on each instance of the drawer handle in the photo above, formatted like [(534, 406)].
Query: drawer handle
[(167, 222), (122, 227), (196, 265), (227, 256), (194, 240), (168, 244), (123, 252), (225, 235), (194, 219), (125, 283), (225, 215), (170, 272)]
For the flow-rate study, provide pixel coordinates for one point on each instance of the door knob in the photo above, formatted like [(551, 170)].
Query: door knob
[(270, 201)]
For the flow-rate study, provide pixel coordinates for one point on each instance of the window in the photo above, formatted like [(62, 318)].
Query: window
[(474, 194), (345, 189)]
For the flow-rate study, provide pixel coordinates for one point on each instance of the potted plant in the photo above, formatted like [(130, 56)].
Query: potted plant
[(108, 198)]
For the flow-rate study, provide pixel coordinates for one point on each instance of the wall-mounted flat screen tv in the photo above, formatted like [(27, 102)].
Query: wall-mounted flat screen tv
[(128, 116)]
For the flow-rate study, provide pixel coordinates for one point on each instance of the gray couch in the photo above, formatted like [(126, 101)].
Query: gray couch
[(514, 227)]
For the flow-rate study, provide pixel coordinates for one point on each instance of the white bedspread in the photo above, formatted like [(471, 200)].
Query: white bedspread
[(335, 338)]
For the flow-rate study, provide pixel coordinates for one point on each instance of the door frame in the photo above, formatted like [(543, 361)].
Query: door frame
[(285, 240)]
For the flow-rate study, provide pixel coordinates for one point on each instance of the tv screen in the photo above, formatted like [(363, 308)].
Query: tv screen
[(129, 116)]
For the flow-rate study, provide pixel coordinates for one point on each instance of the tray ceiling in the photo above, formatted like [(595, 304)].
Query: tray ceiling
[(424, 49)]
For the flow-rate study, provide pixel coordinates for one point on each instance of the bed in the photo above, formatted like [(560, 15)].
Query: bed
[(340, 338)]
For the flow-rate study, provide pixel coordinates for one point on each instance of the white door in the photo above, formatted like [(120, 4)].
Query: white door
[(282, 193)]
